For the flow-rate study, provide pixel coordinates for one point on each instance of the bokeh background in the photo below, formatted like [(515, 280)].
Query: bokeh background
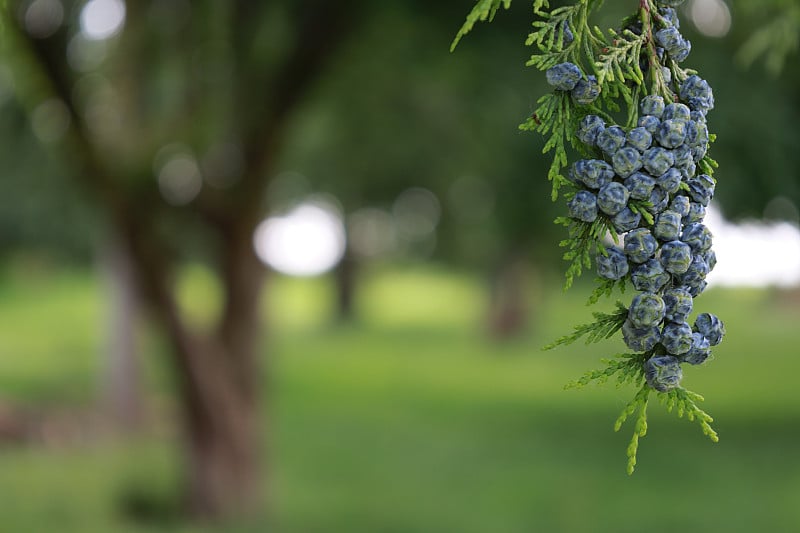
[(403, 228)]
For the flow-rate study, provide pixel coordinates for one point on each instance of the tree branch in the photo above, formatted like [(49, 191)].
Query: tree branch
[(320, 30)]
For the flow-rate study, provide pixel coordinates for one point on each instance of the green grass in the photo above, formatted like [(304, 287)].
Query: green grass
[(413, 421)]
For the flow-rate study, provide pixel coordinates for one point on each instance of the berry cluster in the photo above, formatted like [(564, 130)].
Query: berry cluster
[(644, 181)]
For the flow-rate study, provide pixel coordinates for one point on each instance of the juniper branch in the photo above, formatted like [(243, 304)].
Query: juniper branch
[(639, 406), (483, 10), (627, 368), (685, 402), (605, 325)]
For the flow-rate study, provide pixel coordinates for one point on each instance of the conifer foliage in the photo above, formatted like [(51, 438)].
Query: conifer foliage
[(626, 126)]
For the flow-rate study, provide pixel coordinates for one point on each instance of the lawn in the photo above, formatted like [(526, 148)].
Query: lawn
[(412, 420)]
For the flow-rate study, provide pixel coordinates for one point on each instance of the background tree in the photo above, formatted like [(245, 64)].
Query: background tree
[(224, 79)]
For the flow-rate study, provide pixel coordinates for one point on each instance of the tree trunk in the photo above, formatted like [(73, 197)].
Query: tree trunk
[(222, 403), (121, 385), (508, 308), (345, 275), (222, 445), (217, 372)]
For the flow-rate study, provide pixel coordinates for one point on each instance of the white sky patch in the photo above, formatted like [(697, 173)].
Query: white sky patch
[(754, 254), (307, 241), (101, 19), (712, 18)]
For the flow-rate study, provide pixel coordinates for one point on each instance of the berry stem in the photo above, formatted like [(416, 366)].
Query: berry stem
[(659, 86)]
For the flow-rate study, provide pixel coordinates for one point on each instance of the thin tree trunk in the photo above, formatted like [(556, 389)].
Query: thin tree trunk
[(508, 307), (346, 275), (225, 420), (223, 446), (122, 382)]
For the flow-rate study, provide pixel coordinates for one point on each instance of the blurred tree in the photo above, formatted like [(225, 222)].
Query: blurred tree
[(222, 79), (756, 111), (777, 33), (445, 122)]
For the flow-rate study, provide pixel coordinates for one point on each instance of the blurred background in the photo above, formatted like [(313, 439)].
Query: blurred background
[(288, 266)]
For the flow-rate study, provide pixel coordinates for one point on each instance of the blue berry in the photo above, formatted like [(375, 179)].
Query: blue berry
[(678, 304), (676, 257), (699, 152), (696, 273), (683, 155), (590, 127), (676, 111), (682, 51), (640, 339), (586, 91), (650, 123), (658, 200), (567, 36), (611, 139), (696, 134), (563, 76), (671, 133), (701, 188), (698, 93), (697, 290), (640, 185), (652, 105), (669, 38), (697, 236), (671, 16), (658, 160), (594, 173), (583, 206), (697, 212), (711, 327), (680, 205), (666, 74), (647, 309), (649, 276), (640, 245), (667, 226), (676, 338), (699, 351), (626, 220), (710, 259), (640, 138), (612, 198), (698, 115), (613, 265), (663, 373), (626, 161), (688, 171), (670, 180)]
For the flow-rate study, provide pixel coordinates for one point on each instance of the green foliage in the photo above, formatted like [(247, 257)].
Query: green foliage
[(619, 63), (584, 242), (641, 207), (604, 327), (627, 368), (548, 36), (685, 402), (483, 10), (639, 406), (605, 287), (554, 118), (775, 40)]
